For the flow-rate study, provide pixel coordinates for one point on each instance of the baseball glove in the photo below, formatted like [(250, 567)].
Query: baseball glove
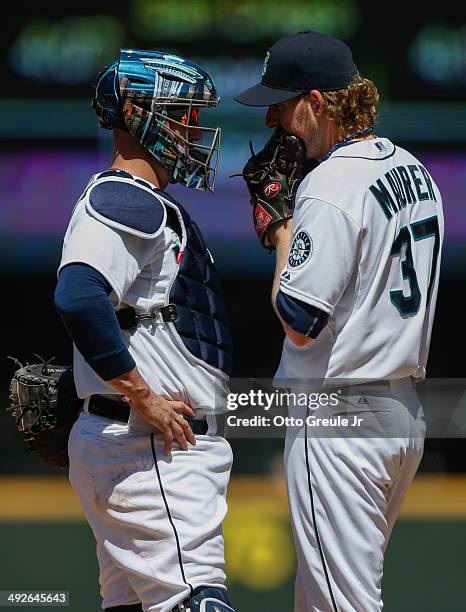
[(272, 177), (44, 404)]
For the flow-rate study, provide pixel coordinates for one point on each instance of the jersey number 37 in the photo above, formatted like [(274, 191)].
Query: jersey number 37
[(408, 305)]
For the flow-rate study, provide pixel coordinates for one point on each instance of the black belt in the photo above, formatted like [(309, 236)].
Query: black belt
[(115, 410), (386, 383), (354, 386)]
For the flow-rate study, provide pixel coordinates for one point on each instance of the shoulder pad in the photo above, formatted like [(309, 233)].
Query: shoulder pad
[(166, 196), (160, 192), (127, 207)]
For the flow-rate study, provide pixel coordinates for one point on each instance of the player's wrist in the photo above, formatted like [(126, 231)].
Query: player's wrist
[(279, 233), (132, 387), (137, 397)]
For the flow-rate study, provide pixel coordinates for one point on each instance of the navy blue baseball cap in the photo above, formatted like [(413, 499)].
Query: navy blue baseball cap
[(299, 63)]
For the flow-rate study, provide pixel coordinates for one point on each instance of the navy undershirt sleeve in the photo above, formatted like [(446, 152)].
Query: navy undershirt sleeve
[(301, 316), (83, 303)]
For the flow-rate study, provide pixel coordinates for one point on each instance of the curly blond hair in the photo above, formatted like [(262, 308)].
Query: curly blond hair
[(355, 107)]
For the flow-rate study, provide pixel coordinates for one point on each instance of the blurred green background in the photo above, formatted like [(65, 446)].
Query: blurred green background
[(47, 545)]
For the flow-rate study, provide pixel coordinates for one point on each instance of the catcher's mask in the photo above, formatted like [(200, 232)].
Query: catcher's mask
[(156, 97)]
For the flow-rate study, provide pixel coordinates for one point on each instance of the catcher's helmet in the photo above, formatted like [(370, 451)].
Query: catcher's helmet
[(146, 93)]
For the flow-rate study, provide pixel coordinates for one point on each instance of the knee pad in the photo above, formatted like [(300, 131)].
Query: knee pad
[(206, 599)]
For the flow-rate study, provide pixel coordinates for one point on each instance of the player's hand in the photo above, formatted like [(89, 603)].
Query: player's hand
[(272, 177), (166, 416)]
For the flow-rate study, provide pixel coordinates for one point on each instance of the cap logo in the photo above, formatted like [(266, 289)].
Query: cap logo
[(264, 67)]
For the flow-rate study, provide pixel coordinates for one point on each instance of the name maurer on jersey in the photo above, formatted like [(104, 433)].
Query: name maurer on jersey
[(406, 185)]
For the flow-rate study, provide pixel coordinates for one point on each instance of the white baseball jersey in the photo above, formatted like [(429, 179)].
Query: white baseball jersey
[(366, 242), (361, 279), (139, 271)]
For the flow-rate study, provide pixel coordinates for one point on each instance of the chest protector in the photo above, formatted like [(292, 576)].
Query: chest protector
[(201, 320)]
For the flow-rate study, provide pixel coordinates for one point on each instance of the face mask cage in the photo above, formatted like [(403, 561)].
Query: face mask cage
[(189, 151)]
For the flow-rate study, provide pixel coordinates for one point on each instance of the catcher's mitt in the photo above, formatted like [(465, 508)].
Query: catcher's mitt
[(272, 177), (44, 404)]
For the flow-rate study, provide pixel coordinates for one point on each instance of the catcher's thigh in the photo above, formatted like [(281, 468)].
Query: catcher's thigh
[(345, 494), (157, 524)]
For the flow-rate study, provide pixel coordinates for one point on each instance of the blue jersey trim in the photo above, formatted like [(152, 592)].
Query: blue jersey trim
[(301, 316)]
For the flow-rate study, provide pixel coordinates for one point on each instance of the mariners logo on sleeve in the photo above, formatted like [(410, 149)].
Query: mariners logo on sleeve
[(301, 249)]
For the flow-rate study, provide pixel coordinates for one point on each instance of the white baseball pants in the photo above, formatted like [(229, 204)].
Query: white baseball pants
[(157, 523), (345, 493)]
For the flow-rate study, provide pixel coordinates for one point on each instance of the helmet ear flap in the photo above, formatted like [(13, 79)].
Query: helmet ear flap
[(106, 101)]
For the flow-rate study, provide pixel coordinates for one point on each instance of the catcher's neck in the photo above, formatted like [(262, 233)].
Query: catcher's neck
[(131, 156)]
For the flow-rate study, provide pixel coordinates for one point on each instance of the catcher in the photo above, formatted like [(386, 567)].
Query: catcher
[(148, 456)]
